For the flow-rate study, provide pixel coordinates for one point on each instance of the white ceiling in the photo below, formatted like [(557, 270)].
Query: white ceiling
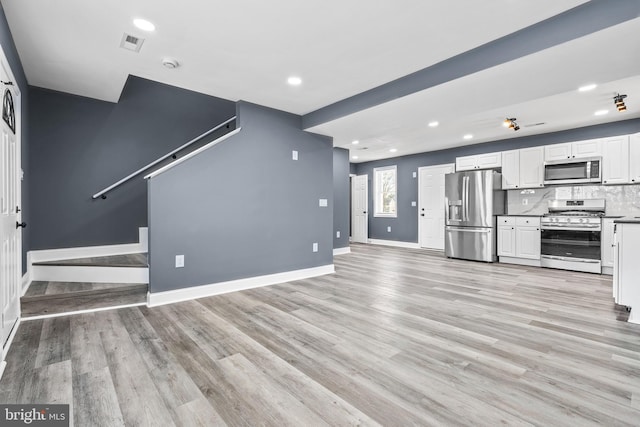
[(246, 49)]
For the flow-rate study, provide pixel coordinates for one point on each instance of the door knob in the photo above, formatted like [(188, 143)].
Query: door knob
[(21, 224)]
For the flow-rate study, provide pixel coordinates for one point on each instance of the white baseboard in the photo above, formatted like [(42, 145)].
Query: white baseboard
[(341, 251), (395, 243), (169, 297), (519, 261), (74, 273), (26, 281), (93, 251)]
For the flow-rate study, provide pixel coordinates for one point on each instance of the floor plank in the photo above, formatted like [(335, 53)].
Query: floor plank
[(395, 337)]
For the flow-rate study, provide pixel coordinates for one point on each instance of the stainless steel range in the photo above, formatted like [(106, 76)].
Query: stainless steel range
[(571, 234)]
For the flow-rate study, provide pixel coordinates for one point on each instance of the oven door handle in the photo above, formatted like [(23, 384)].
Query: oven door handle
[(562, 258), (560, 228)]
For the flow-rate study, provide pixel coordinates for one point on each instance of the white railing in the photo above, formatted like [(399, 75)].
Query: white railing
[(102, 193)]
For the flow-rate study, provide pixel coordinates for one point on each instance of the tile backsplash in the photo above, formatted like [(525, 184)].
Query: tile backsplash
[(620, 199)]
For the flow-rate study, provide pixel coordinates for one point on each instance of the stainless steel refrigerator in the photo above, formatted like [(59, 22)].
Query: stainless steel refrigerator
[(472, 201)]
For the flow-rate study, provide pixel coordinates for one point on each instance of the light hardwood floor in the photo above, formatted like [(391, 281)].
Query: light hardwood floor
[(396, 337)]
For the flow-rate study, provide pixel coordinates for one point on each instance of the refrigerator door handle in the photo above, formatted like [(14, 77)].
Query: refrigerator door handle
[(469, 229), (466, 198)]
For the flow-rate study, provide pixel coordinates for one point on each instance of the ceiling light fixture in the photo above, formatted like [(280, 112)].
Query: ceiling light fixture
[(600, 112), (393, 150), (587, 88), (355, 142), (468, 136), (619, 101), (433, 124), (170, 63), (511, 124), (354, 157), (294, 81), (144, 25)]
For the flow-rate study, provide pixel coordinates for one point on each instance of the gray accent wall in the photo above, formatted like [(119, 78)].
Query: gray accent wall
[(341, 196), (79, 146), (404, 228), (9, 49), (244, 207)]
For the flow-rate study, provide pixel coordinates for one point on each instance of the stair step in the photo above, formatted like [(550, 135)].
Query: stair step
[(46, 298), (128, 260)]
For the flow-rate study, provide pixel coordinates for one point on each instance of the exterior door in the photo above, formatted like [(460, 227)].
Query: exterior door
[(10, 234), (431, 215), (359, 209)]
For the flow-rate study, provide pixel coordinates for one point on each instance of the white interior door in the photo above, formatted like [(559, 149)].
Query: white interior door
[(359, 206), (10, 233), (431, 205)]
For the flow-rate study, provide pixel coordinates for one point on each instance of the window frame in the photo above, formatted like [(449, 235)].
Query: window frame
[(377, 210)]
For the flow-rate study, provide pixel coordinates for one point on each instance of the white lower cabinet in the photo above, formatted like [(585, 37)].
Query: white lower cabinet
[(519, 239), (626, 288)]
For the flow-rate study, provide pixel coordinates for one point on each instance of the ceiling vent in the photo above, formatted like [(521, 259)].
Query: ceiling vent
[(131, 43)]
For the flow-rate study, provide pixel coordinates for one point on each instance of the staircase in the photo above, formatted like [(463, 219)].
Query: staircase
[(71, 285)]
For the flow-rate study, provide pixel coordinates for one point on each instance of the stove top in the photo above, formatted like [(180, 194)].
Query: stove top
[(574, 213)]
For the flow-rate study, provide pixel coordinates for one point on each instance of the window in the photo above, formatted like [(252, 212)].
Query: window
[(385, 191)]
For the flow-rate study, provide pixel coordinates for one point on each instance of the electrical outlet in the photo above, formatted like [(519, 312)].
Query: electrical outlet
[(413, 203), (294, 155), (179, 261), (337, 234), (315, 247), (525, 202), (389, 229), (323, 203)]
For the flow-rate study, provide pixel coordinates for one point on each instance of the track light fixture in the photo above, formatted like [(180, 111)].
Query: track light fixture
[(511, 124), (619, 101)]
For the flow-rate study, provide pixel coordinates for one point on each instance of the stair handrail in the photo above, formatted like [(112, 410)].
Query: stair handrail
[(102, 193)]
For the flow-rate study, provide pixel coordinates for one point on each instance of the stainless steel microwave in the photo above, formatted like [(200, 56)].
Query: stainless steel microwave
[(573, 171)]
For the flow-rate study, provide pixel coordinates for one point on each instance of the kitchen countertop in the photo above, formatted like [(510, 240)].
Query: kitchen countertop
[(628, 220)]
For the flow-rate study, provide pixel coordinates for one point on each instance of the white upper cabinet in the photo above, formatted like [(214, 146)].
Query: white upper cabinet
[(510, 169), (479, 161), (634, 158), (523, 168), (532, 167), (615, 160), (570, 150)]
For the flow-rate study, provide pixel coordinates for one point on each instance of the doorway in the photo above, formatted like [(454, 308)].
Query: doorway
[(431, 212), (359, 209)]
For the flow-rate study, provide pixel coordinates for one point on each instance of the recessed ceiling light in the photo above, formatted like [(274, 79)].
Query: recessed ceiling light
[(468, 136), (294, 81), (600, 112), (354, 157), (393, 150), (587, 88), (144, 25), (433, 124), (355, 142)]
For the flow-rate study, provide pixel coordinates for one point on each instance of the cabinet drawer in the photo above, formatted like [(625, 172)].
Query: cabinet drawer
[(506, 220), (532, 221)]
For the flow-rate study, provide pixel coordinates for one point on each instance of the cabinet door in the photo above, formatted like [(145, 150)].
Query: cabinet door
[(634, 158), (528, 242), (510, 169), (531, 167), (588, 148), (507, 240), (615, 160), (557, 152), (489, 160), (607, 242), (466, 163)]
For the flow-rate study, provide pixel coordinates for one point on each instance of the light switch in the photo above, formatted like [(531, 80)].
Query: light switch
[(294, 155), (413, 203), (415, 174), (179, 261), (323, 203), (337, 234)]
